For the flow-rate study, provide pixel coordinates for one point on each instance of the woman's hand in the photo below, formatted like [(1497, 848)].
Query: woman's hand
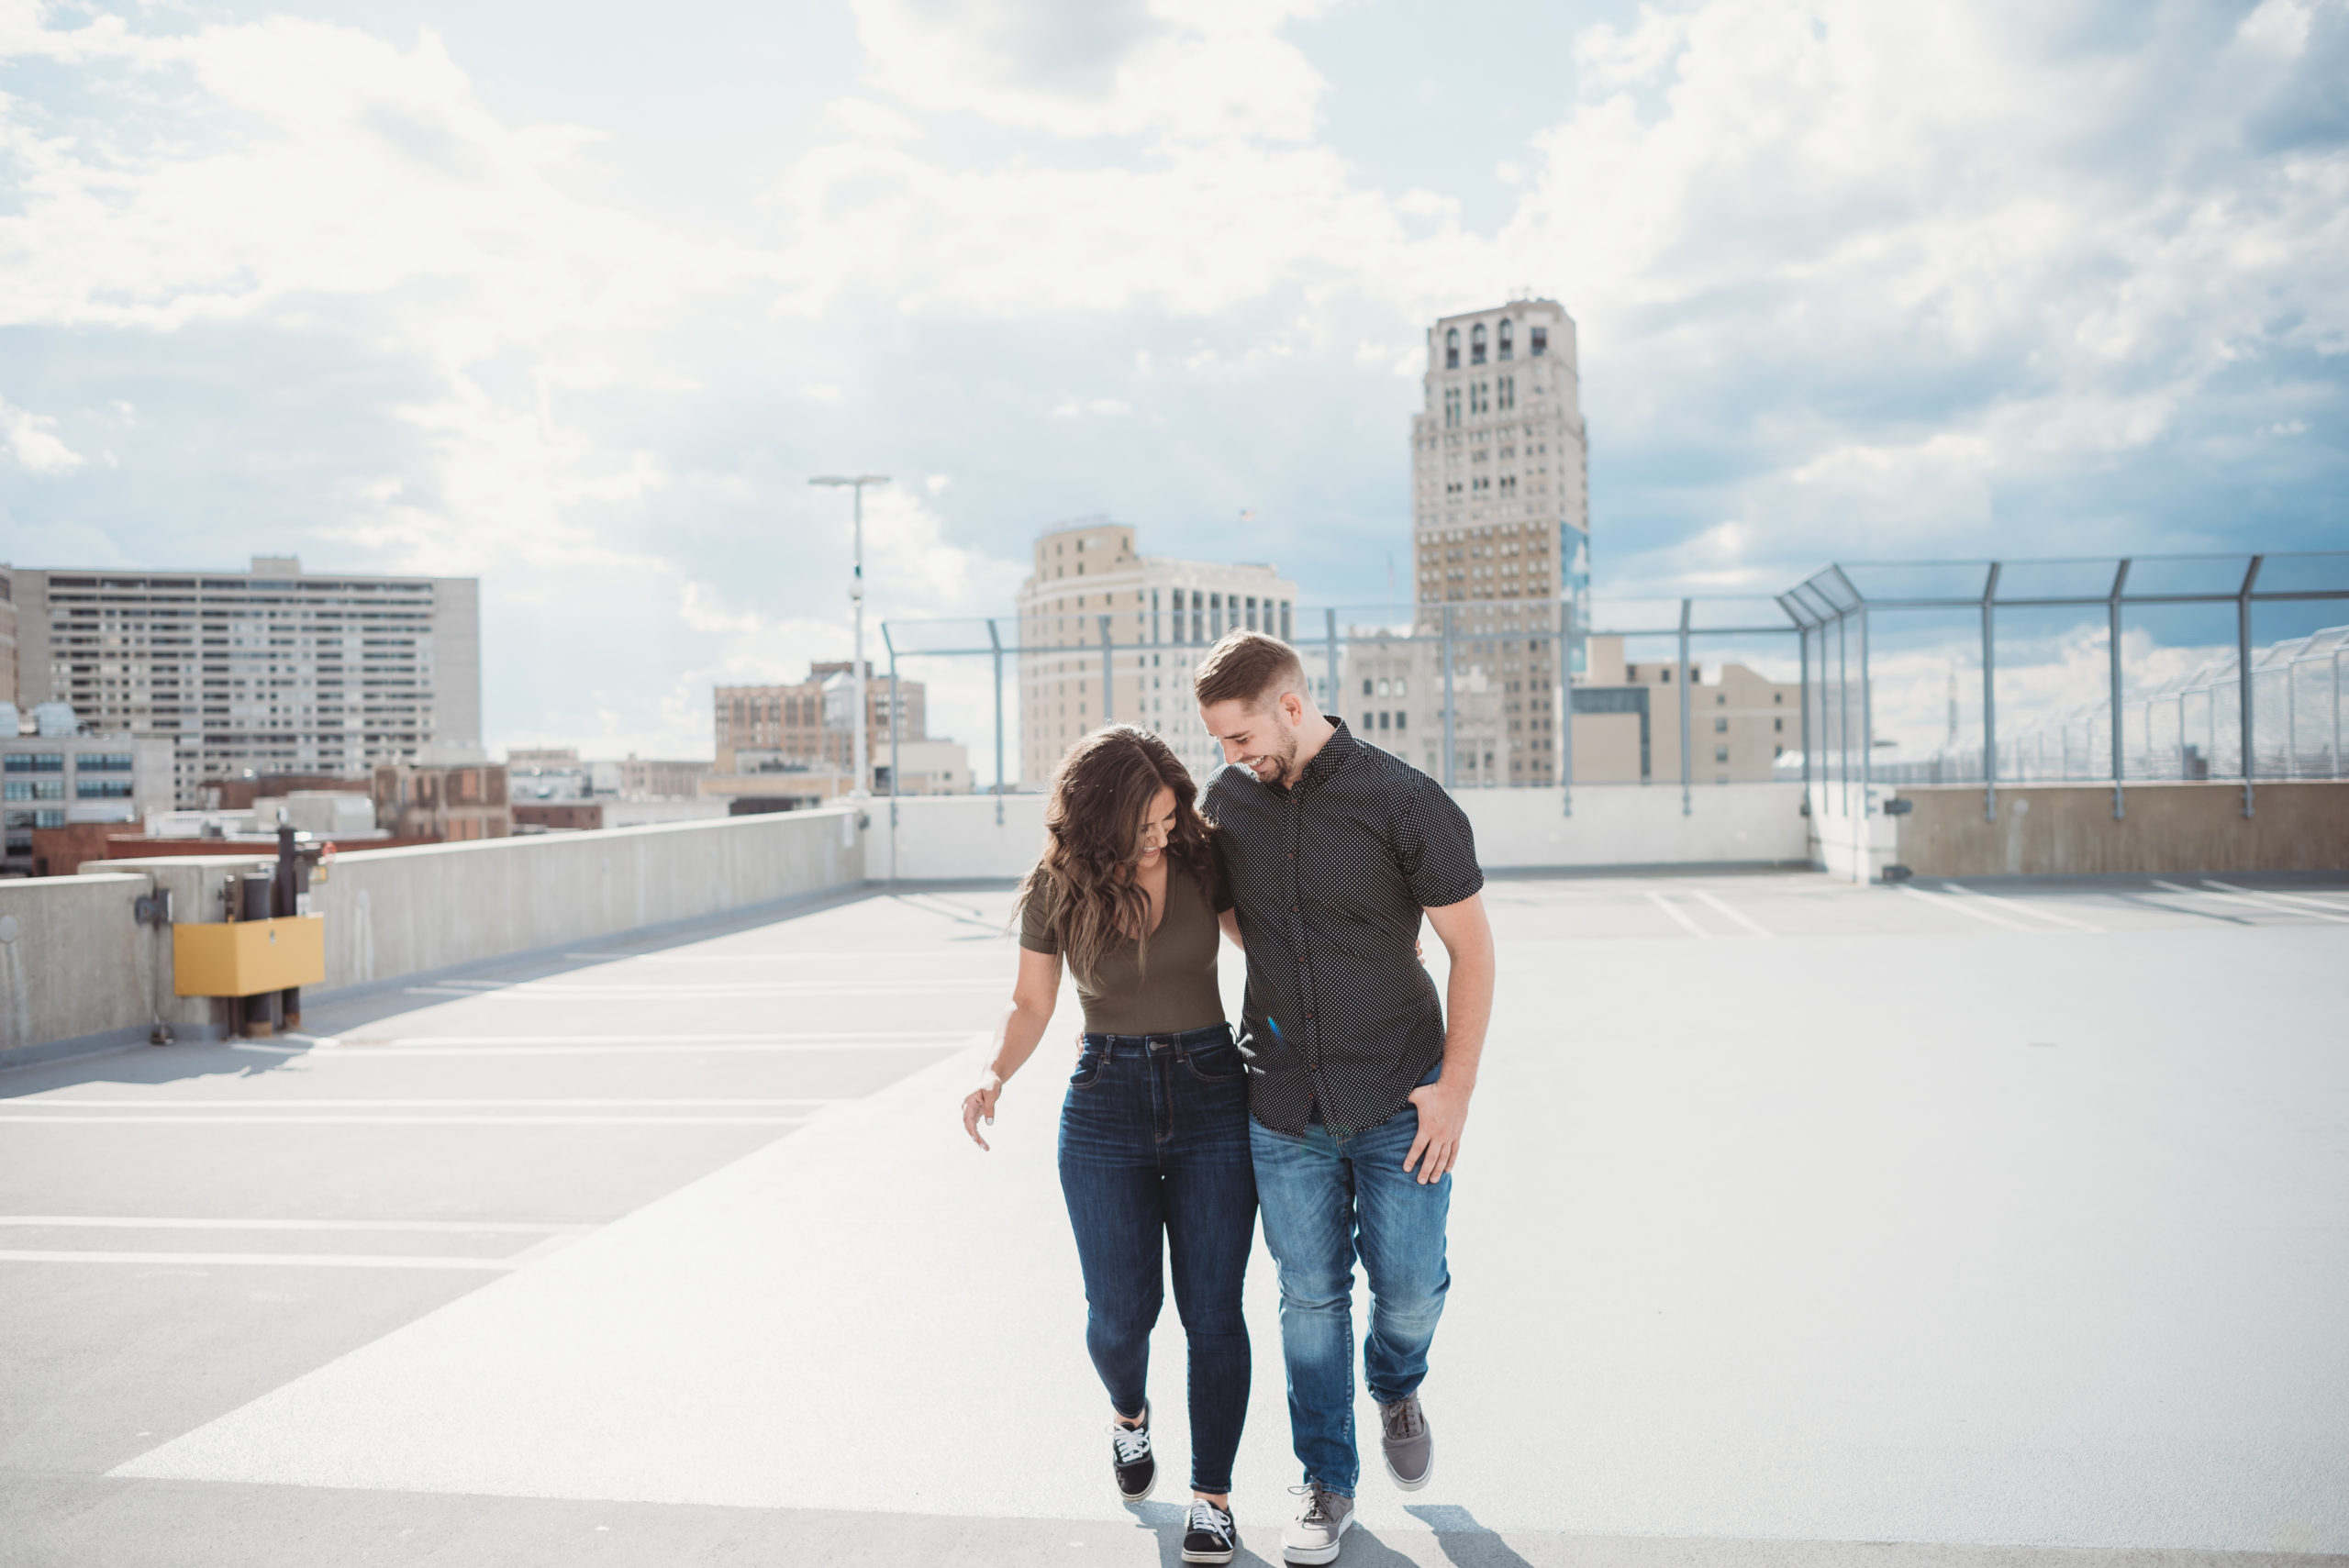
[(979, 1104)]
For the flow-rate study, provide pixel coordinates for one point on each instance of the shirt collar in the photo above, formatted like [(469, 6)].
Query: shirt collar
[(1333, 755)]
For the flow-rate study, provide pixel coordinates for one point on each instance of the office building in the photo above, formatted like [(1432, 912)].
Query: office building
[(272, 670), (811, 724), (57, 781), (1501, 531), (451, 802), (1090, 601)]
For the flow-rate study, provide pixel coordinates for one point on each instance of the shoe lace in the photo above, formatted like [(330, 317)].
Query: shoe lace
[(1404, 1419), (1317, 1507), (1132, 1442), (1206, 1515)]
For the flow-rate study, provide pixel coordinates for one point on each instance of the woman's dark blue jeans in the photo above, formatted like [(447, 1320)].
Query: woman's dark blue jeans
[(1154, 1141)]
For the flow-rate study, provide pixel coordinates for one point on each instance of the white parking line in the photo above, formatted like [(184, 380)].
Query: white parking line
[(244, 1120), (1944, 901), (1694, 929), (122, 1103), (412, 1226), (1741, 918), (2216, 896), (2283, 901), (268, 1260), (2019, 908)]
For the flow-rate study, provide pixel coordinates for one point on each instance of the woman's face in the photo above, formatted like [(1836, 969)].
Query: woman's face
[(1157, 826)]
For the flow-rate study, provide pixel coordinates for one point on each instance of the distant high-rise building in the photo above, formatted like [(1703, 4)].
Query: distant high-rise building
[(814, 721), (1091, 599), (1501, 505), (272, 670)]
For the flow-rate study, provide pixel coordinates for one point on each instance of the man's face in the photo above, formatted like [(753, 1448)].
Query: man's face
[(1262, 740)]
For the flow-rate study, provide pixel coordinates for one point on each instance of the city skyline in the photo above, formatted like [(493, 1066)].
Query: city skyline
[(416, 299)]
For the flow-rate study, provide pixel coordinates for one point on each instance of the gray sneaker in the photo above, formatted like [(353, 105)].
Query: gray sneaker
[(1410, 1448), (1313, 1536)]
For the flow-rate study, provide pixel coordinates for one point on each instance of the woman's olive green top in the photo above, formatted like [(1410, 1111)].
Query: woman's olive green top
[(1177, 991)]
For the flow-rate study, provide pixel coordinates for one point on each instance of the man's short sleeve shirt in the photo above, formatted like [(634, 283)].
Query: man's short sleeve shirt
[(1331, 877)]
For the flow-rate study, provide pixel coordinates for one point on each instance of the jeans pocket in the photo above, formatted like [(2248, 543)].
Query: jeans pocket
[(1215, 1064), (1088, 1070)]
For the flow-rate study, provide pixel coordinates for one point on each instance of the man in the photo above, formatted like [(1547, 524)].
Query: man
[(1357, 1087)]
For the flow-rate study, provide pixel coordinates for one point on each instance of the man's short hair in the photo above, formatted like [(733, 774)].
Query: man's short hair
[(1248, 667)]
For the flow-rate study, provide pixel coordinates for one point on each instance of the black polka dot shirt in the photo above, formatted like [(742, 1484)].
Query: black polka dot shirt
[(1329, 877)]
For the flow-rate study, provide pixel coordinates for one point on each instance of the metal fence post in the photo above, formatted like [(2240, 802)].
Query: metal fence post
[(1844, 705), (2119, 579), (995, 638), (1330, 654), (890, 643), (1867, 719), (2338, 771), (1109, 676), (2242, 673), (1804, 633), (1566, 706), (1687, 702), (1990, 699), (1451, 745)]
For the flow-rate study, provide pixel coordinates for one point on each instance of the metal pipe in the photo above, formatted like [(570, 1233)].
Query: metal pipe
[(996, 637), (1843, 707), (1868, 725), (890, 643), (1806, 720), (1687, 702), (1109, 676), (2243, 674), (2112, 638), (1989, 698), (1451, 743), (1566, 706), (1330, 654)]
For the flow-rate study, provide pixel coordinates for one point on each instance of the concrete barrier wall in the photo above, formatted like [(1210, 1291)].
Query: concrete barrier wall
[(2068, 830), (74, 963), (82, 972), (940, 838)]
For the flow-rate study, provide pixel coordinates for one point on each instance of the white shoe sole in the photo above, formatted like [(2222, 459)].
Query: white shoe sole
[(1425, 1477), (1312, 1556)]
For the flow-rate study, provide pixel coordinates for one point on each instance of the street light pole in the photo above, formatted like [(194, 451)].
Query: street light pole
[(856, 484)]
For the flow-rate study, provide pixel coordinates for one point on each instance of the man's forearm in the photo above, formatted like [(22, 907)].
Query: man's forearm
[(1468, 1008)]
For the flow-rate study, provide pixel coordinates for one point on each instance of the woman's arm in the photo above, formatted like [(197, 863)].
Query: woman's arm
[(1033, 996)]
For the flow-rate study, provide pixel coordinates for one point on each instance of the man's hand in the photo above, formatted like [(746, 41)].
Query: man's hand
[(1444, 1111)]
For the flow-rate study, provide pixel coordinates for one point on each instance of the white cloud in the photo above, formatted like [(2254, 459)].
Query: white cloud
[(32, 440)]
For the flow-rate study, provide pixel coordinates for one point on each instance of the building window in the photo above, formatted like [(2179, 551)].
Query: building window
[(1365, 691), (102, 762), (36, 762), (1720, 754), (1451, 407), (1365, 721), (1215, 614), (1721, 727), (1252, 613), (1451, 348), (1284, 621), (1504, 345), (1398, 715), (1541, 342), (1476, 344), (1778, 726), (102, 789), (1508, 388)]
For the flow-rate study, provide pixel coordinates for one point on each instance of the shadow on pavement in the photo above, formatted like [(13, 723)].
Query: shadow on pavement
[(1466, 1542)]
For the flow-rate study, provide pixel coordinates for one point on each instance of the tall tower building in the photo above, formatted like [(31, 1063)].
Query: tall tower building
[(1091, 601), (273, 670), (1500, 484)]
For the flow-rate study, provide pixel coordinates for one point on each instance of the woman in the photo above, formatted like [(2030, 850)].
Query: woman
[(1153, 1139)]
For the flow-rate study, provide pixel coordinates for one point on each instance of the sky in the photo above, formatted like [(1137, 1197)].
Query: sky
[(574, 297)]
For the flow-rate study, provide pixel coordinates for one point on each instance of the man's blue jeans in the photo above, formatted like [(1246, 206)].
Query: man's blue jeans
[(1325, 1196)]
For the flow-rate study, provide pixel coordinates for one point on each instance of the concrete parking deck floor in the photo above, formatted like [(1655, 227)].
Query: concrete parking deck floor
[(1798, 1223)]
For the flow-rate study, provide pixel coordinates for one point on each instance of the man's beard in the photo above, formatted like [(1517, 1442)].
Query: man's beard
[(1283, 754)]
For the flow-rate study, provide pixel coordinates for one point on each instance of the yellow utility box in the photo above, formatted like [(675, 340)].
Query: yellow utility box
[(245, 958)]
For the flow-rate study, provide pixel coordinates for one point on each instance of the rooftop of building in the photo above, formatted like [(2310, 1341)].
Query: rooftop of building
[(1986, 1222)]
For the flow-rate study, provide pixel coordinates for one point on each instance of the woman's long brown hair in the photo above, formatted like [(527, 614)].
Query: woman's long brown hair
[(1093, 825)]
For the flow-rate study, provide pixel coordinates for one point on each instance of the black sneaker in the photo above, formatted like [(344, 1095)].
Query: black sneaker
[(1129, 1456), (1210, 1536)]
